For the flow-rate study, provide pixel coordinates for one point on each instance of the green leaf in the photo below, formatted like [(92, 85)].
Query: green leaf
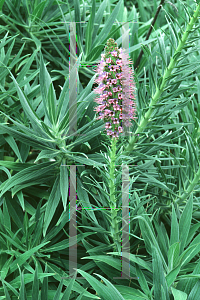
[(173, 255), (14, 241), (81, 160), (109, 23), (98, 21), (21, 199), (111, 261), (5, 268), (79, 31), (146, 265), (95, 52), (52, 204), (64, 184), (185, 223), (36, 123), (142, 280), (16, 60), (162, 52), (90, 28), (85, 202), (38, 10), (66, 295), (15, 211), (31, 173), (174, 236), (187, 287), (130, 293), (6, 216), (12, 289), (48, 131), (51, 102), (58, 292), (20, 187), (190, 252), (158, 276), (64, 244), (38, 231), (1, 4), (171, 276), (178, 295), (20, 260), (6, 292), (77, 287), (194, 294), (22, 293), (47, 154), (112, 288), (44, 289), (25, 70), (102, 290), (10, 140), (24, 138), (45, 82), (63, 102), (35, 289), (149, 237)]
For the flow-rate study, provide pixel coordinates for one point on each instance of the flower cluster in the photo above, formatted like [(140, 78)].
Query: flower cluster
[(115, 89)]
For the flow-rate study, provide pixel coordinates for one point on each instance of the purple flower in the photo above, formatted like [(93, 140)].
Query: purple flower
[(115, 76)]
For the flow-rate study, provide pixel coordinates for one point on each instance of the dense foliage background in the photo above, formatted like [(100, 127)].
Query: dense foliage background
[(36, 152)]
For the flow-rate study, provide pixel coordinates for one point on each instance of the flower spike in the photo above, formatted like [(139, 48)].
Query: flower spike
[(116, 104)]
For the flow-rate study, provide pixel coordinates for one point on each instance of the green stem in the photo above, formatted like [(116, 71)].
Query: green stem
[(190, 187), (144, 120), (114, 224)]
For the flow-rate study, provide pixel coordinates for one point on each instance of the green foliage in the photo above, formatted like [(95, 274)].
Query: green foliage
[(37, 150)]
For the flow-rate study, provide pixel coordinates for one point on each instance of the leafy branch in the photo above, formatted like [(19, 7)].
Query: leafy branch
[(159, 90)]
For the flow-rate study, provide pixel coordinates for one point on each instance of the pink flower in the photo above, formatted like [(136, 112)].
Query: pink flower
[(108, 125), (115, 121), (119, 88), (110, 101), (119, 62), (111, 113), (114, 81), (119, 75), (114, 53), (116, 107), (114, 69), (115, 89)]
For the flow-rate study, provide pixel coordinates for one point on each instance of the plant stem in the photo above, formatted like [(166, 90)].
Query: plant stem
[(149, 32), (190, 188), (144, 120), (114, 223)]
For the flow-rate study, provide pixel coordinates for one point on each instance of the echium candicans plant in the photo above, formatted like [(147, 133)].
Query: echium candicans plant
[(116, 106)]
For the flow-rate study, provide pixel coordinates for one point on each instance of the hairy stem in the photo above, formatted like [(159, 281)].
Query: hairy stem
[(145, 119)]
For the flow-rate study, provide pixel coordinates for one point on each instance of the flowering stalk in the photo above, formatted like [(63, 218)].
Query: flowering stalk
[(116, 85)]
